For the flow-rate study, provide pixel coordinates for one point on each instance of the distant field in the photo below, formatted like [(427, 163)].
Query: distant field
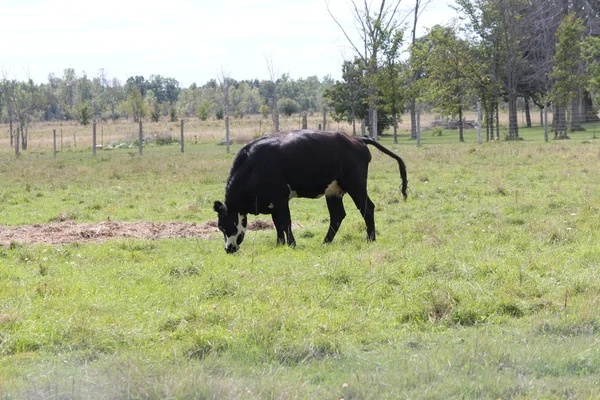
[(71, 136), (484, 284)]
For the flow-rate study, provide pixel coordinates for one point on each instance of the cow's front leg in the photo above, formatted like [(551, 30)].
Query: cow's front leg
[(284, 223), (278, 228)]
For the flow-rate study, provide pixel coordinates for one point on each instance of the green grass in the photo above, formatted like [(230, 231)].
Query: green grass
[(484, 284)]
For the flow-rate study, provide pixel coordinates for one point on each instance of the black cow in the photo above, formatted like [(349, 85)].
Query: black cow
[(269, 171)]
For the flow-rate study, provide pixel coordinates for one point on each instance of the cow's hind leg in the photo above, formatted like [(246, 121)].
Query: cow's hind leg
[(367, 209), (336, 216), (284, 223)]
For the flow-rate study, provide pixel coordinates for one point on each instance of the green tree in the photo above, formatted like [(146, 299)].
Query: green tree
[(288, 106), (205, 109), (567, 74), (446, 81), (135, 105), (264, 110), (83, 113), (376, 28), (390, 82), (349, 96)]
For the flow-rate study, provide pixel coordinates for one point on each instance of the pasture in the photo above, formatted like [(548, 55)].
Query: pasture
[(484, 284)]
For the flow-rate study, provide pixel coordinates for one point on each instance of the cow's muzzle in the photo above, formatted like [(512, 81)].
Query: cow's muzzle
[(231, 249)]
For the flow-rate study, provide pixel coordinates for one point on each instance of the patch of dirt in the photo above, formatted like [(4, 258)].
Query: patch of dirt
[(69, 231)]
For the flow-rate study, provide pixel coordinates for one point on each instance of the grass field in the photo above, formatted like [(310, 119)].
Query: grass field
[(484, 284)]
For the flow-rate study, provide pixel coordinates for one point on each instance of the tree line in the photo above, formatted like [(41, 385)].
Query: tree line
[(81, 98), (500, 53)]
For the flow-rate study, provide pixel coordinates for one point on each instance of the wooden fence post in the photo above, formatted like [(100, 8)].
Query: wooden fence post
[(54, 140), (182, 136), (304, 120), (94, 138), (141, 136)]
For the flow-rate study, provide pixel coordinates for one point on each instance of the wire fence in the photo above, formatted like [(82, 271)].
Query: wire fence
[(105, 136)]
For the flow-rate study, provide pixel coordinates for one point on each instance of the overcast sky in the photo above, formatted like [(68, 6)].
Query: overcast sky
[(189, 40)]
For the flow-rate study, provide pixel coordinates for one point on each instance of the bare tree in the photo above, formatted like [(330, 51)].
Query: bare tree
[(274, 97), (224, 83), (419, 7), (374, 27)]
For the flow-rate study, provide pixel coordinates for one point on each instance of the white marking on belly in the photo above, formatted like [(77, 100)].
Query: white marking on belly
[(271, 205), (334, 190)]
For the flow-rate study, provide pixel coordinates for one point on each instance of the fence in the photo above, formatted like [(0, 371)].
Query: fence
[(57, 137)]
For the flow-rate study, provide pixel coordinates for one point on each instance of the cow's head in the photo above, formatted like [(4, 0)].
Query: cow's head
[(232, 224)]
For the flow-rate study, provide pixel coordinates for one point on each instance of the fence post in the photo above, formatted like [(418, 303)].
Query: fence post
[(304, 120), (141, 136), (61, 141), (94, 138), (182, 136), (54, 139)]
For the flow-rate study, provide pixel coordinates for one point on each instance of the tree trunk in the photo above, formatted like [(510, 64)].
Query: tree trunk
[(419, 126), (545, 117), (576, 118), (527, 112), (413, 119), (513, 125), (460, 124), (17, 144), (479, 121), (497, 110), (590, 110), (373, 122)]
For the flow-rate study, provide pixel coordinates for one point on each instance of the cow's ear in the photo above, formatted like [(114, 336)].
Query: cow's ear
[(220, 208)]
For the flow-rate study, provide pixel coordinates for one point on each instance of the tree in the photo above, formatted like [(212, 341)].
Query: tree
[(502, 29), (446, 71), (288, 106), (567, 75), (375, 29), (135, 105), (349, 96), (390, 81), (412, 92), (24, 101), (83, 113), (204, 110), (225, 84)]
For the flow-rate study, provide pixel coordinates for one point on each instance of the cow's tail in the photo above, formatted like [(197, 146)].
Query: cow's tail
[(372, 142)]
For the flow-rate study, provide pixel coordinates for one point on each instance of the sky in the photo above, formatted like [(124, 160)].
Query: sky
[(192, 41)]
